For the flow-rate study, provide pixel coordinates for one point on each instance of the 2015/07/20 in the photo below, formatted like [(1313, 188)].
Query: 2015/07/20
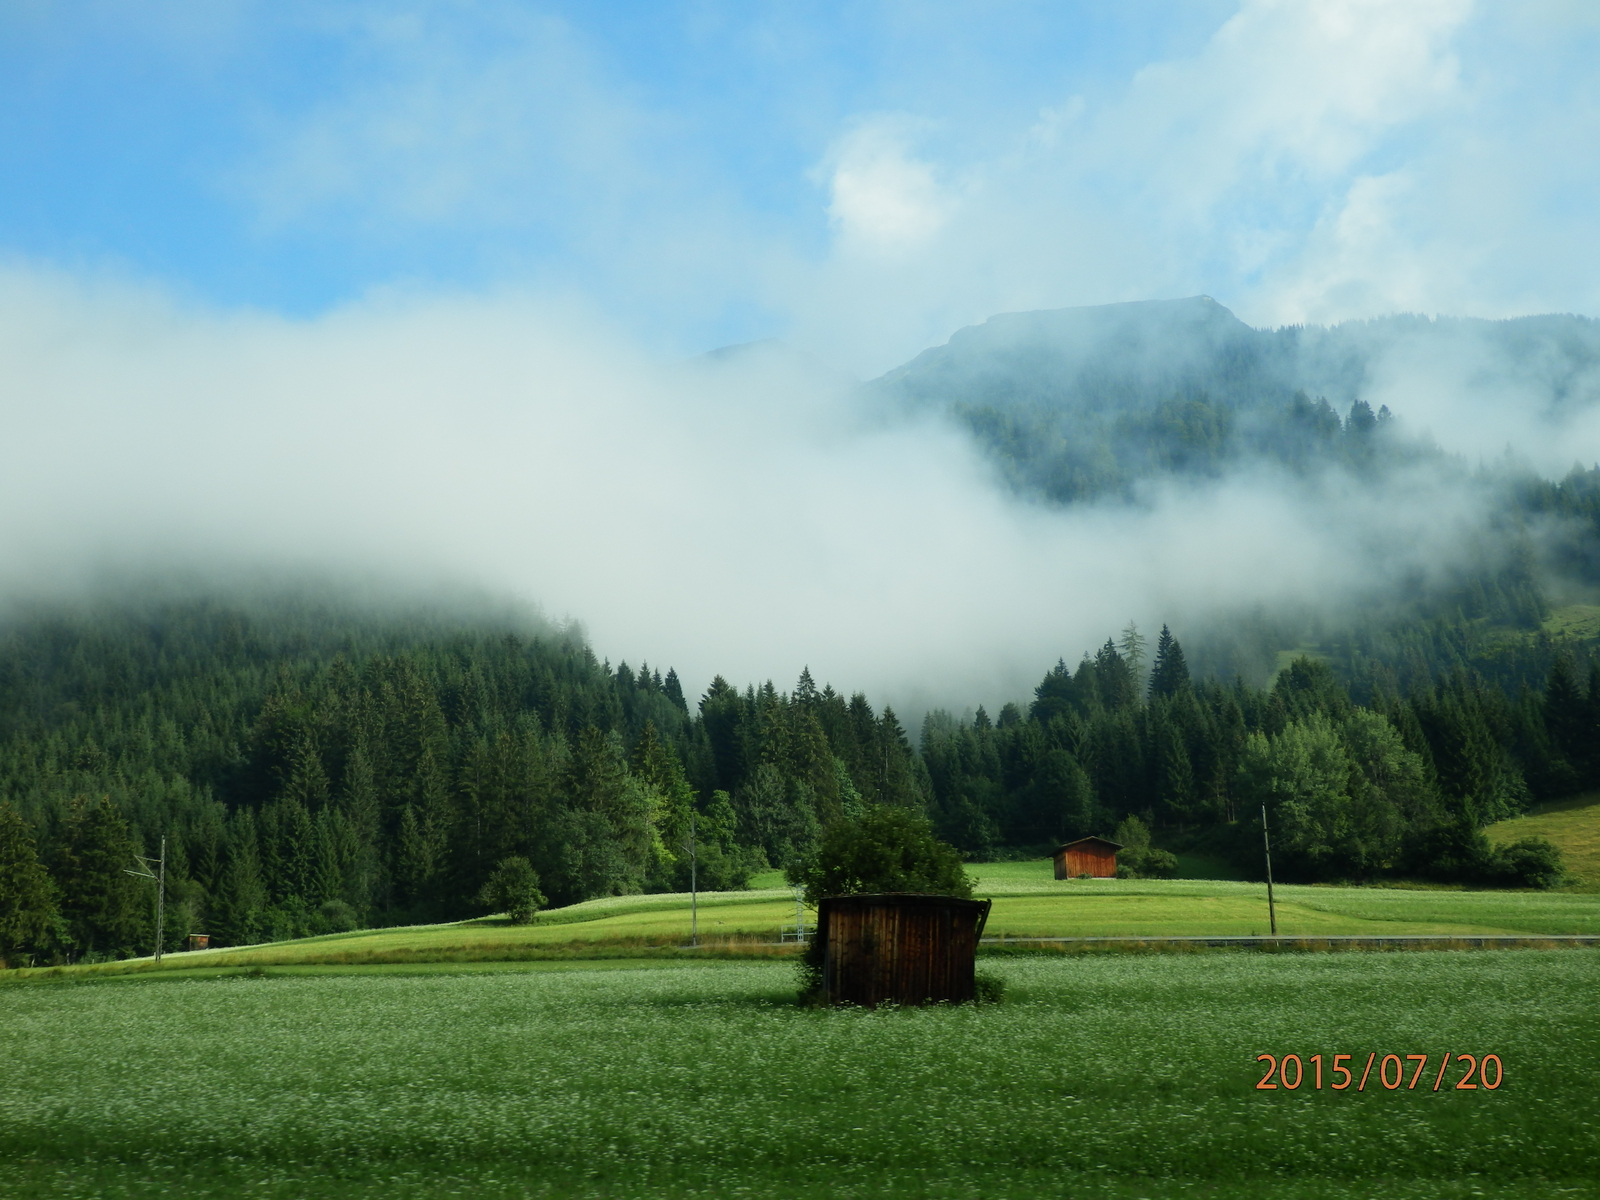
[(1281, 1069)]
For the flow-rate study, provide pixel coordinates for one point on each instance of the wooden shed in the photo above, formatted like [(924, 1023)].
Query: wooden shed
[(899, 948), (198, 941), (1087, 856)]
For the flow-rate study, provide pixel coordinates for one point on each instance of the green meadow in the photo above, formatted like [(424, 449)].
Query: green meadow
[(486, 1059), (1114, 1076), (1028, 903)]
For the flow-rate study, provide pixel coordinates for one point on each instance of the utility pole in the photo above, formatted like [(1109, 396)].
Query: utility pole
[(1272, 912), (694, 885), (156, 869)]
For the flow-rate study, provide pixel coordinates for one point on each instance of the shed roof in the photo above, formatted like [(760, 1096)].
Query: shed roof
[(1097, 841), (900, 898)]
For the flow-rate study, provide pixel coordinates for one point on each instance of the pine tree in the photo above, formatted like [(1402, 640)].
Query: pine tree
[(1132, 644), (1566, 716), (101, 902), (237, 917), (27, 898), (414, 858), (805, 691), (673, 690), (1174, 773), (1169, 673), (307, 784), (1113, 679), (1054, 695)]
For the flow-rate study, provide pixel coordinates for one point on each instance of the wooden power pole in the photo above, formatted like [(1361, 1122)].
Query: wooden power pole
[(156, 869), (1272, 912)]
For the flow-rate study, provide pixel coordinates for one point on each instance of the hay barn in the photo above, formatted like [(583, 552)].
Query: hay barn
[(899, 948), (1094, 856)]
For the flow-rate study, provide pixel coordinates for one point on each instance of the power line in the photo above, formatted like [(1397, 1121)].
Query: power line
[(156, 869)]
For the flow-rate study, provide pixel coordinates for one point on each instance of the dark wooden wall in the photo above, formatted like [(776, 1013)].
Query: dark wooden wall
[(899, 949), (1099, 861)]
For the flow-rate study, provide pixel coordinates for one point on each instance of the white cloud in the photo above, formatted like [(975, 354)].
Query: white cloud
[(883, 199), (1314, 161), (739, 517)]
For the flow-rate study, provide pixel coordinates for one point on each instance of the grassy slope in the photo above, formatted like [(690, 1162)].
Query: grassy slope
[(1573, 825), (1028, 902), (1574, 620), (1104, 1077)]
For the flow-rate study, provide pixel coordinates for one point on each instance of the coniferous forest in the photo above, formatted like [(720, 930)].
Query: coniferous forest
[(316, 768), (316, 764)]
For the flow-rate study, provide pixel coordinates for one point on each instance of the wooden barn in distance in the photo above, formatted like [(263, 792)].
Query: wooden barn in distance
[(1094, 856), (899, 948)]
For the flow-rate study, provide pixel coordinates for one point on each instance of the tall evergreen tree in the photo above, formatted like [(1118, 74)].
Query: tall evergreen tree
[(1170, 672), (1113, 678), (1573, 731), (238, 912), (27, 899), (102, 903)]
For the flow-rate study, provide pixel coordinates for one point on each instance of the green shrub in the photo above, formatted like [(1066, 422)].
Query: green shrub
[(1532, 862), (1137, 857), (335, 916)]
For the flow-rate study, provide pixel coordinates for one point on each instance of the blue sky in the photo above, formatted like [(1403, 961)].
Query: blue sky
[(710, 172), (404, 290), (171, 141)]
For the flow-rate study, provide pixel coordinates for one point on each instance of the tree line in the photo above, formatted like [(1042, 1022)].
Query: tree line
[(1403, 785), (317, 770)]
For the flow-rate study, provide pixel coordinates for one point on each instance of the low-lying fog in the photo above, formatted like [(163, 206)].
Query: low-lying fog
[(747, 513)]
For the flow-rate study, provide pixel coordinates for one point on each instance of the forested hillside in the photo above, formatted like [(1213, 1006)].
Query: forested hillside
[(319, 763), (1083, 403), (1098, 405), (314, 768)]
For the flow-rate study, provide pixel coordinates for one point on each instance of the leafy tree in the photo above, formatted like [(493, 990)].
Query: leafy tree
[(1303, 776), (513, 888), (886, 849), (1057, 803), (1137, 857)]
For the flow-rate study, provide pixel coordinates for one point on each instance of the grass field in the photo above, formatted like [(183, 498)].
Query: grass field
[(1574, 825), (1124, 1076), (1028, 903)]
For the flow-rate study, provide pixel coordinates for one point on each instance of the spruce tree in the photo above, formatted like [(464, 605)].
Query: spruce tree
[(1113, 678), (237, 913), (1567, 717), (1132, 644), (102, 903), (1170, 672), (673, 690), (27, 898)]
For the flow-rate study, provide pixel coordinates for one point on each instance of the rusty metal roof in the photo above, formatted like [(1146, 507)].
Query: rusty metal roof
[(1085, 841)]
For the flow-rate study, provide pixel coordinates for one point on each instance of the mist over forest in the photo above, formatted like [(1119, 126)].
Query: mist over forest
[(1269, 569)]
